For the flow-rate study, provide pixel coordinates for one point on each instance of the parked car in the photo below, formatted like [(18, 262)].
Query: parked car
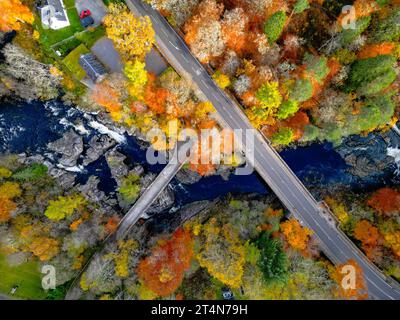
[(84, 14), (87, 21)]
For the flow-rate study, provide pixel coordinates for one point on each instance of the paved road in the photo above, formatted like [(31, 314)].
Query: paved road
[(267, 161), (148, 197)]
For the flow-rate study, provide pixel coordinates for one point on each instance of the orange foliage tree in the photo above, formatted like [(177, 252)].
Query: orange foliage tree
[(155, 97), (162, 272), (296, 235), (297, 124), (6, 207), (369, 236), (385, 201), (348, 287), (106, 96), (44, 248), (366, 233), (373, 50), (13, 13)]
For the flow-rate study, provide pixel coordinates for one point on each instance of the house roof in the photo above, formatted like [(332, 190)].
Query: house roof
[(59, 9), (93, 68)]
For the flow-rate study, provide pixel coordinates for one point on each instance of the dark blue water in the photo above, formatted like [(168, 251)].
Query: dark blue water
[(28, 127)]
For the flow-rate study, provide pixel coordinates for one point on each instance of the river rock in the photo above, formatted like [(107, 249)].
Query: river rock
[(70, 146), (65, 179), (97, 146), (91, 191), (187, 176), (118, 168), (366, 156)]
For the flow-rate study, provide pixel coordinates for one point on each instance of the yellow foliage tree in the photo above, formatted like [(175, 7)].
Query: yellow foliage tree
[(10, 190), (222, 80), (13, 14), (44, 248), (222, 254), (133, 37)]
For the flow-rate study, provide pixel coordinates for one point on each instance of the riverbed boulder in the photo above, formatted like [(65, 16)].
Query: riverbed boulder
[(187, 176), (91, 191), (69, 146), (98, 145), (118, 168), (367, 156)]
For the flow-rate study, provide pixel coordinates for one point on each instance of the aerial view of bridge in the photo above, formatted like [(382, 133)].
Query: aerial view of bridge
[(263, 157)]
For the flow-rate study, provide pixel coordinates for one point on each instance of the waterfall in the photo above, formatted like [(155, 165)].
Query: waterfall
[(396, 129), (395, 153)]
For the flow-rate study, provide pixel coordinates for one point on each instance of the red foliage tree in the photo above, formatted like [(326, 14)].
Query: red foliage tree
[(385, 201), (162, 272), (297, 124)]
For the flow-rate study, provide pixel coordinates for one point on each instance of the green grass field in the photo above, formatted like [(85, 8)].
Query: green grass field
[(71, 61), (48, 37), (90, 36), (26, 276)]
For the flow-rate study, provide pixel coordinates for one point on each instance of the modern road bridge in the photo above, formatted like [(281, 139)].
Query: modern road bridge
[(266, 161)]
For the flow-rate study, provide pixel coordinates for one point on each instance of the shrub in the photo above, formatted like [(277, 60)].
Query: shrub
[(371, 75), (387, 29), (31, 173), (274, 26), (283, 137), (273, 261), (269, 95), (130, 188), (349, 35), (301, 91), (287, 108)]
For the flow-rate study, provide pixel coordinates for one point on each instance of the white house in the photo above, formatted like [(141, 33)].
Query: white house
[(54, 15)]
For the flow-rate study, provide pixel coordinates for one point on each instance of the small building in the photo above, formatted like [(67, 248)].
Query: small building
[(93, 68), (54, 15)]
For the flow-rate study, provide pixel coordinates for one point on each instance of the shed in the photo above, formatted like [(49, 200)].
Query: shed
[(93, 68)]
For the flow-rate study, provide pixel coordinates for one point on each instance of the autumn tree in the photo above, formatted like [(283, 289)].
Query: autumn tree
[(7, 206), (108, 97), (13, 15), (162, 272), (64, 207), (296, 235), (386, 201), (133, 37), (137, 76), (44, 248), (221, 253), (8, 191), (203, 31), (350, 288)]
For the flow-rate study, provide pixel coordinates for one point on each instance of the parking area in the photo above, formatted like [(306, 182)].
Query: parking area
[(96, 7)]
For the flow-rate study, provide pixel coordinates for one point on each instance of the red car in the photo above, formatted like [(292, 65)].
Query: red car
[(84, 14)]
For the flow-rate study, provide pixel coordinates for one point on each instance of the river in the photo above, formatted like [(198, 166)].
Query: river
[(28, 127)]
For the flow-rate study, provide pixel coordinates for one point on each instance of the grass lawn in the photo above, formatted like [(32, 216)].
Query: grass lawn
[(107, 2), (48, 37), (26, 276), (69, 3), (71, 61), (90, 36)]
